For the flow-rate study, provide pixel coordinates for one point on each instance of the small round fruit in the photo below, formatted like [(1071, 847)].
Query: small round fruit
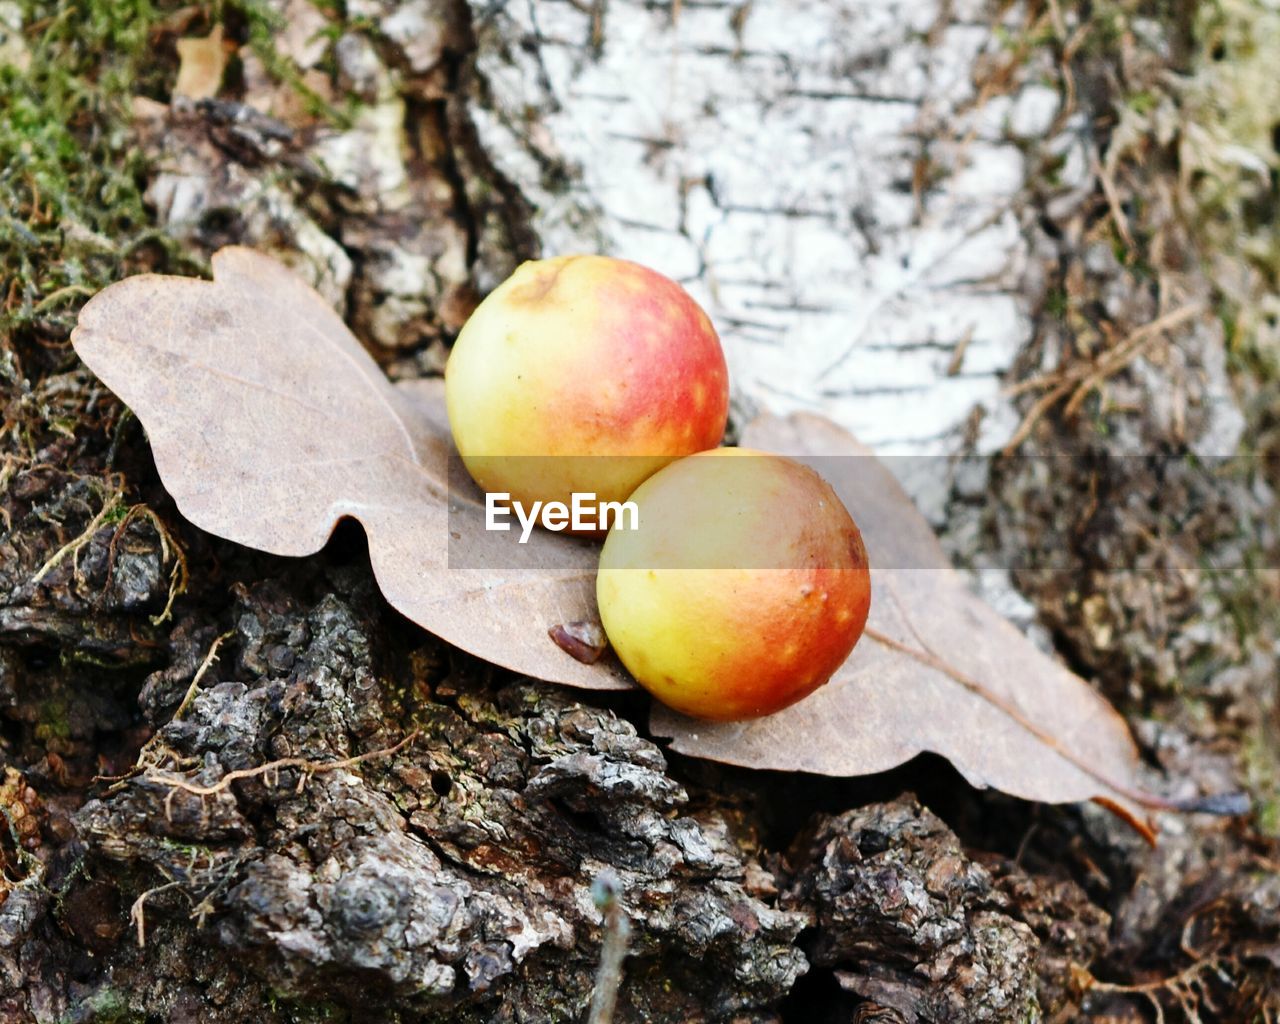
[(583, 374), (743, 589)]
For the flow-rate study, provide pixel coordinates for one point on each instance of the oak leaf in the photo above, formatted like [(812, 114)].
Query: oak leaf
[(269, 423)]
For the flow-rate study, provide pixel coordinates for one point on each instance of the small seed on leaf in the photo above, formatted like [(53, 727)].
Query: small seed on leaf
[(584, 641)]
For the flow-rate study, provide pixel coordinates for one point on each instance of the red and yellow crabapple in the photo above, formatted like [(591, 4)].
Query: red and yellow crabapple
[(742, 591), (583, 374)]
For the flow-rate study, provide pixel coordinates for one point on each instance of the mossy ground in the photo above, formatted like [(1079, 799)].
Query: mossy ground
[(1198, 94), (72, 211), (72, 217)]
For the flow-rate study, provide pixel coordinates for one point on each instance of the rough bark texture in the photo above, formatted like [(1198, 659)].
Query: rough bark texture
[(453, 875), (241, 788)]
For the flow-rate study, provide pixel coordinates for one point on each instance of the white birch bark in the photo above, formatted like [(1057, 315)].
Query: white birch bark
[(823, 176)]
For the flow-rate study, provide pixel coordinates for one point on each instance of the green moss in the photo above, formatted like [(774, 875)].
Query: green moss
[(53, 721), (1261, 757), (71, 208), (108, 1006), (296, 1011), (194, 857), (1057, 303), (262, 25), (72, 213), (1229, 159), (1211, 126)]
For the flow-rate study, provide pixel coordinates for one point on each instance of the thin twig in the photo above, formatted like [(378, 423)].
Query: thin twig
[(205, 665), (54, 297), (75, 545), (137, 913), (1042, 405), (596, 38), (958, 353), (607, 893), (1169, 984), (1113, 200), (308, 767), (1128, 350), (1078, 381), (169, 549)]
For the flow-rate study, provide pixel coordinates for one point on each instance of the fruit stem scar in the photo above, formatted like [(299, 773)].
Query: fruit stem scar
[(542, 285)]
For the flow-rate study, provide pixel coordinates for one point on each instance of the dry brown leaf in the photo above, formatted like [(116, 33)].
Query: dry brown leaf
[(201, 63), (269, 423)]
